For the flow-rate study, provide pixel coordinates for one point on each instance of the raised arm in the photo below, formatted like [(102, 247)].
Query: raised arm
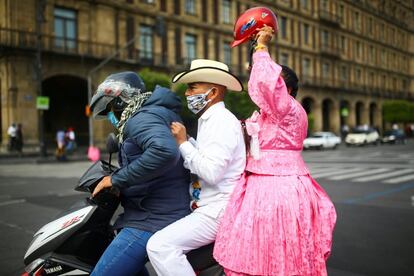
[(267, 88), (266, 85)]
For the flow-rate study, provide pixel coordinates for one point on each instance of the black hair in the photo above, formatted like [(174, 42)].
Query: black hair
[(291, 80)]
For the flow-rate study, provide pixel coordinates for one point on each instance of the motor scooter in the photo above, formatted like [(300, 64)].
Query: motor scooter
[(73, 243)]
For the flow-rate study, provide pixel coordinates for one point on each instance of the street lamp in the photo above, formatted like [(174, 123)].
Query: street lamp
[(40, 19)]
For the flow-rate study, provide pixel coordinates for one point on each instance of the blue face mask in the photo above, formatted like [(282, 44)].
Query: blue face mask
[(112, 118), (198, 102)]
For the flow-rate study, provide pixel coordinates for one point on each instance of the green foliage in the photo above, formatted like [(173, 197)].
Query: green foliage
[(398, 111), (152, 78), (311, 123), (240, 104)]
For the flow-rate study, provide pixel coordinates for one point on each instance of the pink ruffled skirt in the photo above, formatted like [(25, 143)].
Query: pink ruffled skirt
[(276, 225)]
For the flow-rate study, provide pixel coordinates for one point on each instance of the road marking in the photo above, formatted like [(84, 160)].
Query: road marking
[(15, 201), (380, 194), (17, 227), (336, 172), (319, 170), (383, 175), (365, 172), (400, 179)]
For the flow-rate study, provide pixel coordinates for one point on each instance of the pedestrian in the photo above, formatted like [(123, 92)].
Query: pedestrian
[(60, 145), (19, 139), (344, 130), (152, 182), (279, 221), (70, 140), (216, 160), (11, 132)]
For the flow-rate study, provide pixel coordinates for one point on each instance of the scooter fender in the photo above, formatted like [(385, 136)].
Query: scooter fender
[(53, 234)]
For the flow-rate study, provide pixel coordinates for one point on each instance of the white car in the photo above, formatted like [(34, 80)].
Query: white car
[(362, 137), (322, 140)]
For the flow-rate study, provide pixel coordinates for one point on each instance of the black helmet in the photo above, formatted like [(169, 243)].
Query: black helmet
[(117, 88)]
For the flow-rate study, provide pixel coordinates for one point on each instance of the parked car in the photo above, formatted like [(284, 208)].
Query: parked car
[(322, 140), (394, 136), (360, 136)]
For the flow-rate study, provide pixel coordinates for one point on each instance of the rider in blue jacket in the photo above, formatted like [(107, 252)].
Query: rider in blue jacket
[(152, 181)]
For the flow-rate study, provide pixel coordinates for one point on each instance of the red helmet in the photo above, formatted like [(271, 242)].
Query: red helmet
[(252, 19)]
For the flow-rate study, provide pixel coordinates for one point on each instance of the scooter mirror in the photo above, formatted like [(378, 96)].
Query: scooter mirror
[(112, 144)]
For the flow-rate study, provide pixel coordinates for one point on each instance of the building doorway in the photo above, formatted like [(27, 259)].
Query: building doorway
[(68, 96), (359, 109), (307, 104), (373, 115)]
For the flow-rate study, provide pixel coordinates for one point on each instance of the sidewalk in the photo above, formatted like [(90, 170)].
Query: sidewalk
[(32, 155)]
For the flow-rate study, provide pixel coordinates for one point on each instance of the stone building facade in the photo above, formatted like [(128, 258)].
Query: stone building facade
[(350, 55)]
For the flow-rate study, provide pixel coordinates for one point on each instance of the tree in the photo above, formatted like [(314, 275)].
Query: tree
[(311, 123), (152, 78), (398, 111), (240, 104)]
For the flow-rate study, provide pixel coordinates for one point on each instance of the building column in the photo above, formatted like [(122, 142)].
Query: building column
[(352, 115), (378, 118), (317, 115), (335, 120)]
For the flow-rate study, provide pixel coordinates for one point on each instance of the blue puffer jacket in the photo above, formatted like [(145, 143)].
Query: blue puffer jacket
[(152, 179)]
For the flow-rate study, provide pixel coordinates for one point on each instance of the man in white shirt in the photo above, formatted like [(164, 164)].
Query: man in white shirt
[(217, 158)]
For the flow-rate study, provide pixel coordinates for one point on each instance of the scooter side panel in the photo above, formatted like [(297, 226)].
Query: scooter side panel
[(54, 233)]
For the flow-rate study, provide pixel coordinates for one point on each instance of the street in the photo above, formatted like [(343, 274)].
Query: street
[(372, 188)]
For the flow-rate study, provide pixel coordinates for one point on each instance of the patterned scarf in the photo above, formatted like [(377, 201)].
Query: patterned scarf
[(132, 107)]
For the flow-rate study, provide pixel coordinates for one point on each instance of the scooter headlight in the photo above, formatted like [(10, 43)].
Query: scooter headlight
[(33, 266)]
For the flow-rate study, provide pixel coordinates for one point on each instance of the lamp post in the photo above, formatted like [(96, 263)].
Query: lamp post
[(40, 8)]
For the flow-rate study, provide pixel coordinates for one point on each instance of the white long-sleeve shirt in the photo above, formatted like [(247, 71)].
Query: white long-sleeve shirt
[(218, 157)]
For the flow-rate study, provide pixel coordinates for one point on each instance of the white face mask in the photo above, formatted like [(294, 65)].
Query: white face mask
[(198, 102)]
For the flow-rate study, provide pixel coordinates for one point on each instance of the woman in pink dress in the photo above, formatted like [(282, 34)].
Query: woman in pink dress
[(279, 221)]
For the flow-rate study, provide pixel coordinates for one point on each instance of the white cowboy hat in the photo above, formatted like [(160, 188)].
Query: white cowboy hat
[(205, 70)]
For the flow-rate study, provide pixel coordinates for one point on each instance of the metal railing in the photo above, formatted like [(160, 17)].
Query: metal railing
[(353, 86), (12, 38), (329, 49), (329, 17)]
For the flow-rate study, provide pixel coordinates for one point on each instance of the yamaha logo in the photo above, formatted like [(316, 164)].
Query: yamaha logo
[(53, 269)]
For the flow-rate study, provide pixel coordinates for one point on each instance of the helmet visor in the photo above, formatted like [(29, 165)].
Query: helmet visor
[(100, 106)]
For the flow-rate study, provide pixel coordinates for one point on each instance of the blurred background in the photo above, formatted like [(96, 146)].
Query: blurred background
[(354, 58)]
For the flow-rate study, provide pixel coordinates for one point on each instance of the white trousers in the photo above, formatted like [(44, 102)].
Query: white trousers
[(167, 248)]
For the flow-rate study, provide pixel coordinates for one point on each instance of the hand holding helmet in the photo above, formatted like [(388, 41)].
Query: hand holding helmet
[(264, 36), (251, 22)]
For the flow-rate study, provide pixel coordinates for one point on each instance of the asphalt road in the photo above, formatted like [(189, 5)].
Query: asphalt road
[(372, 188)]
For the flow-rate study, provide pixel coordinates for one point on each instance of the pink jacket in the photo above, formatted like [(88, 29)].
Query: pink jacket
[(281, 125)]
